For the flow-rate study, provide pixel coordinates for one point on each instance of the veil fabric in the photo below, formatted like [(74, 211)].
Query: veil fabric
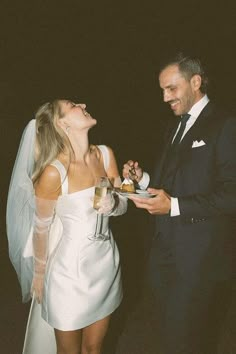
[(20, 210), (21, 205)]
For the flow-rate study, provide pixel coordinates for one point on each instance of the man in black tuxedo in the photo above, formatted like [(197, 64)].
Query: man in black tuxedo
[(193, 206)]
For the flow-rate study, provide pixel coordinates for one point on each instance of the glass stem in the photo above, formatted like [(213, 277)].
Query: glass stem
[(98, 224)]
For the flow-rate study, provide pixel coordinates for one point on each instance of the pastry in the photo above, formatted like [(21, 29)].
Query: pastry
[(127, 186)]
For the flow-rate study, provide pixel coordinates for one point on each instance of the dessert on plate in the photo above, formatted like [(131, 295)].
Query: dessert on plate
[(127, 186)]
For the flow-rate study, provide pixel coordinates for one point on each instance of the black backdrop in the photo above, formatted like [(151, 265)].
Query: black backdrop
[(107, 54)]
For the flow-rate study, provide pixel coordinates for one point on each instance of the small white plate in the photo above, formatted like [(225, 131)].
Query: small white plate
[(144, 194), (141, 191)]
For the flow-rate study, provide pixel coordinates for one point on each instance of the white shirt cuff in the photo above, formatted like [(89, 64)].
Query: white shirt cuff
[(174, 211), (144, 181)]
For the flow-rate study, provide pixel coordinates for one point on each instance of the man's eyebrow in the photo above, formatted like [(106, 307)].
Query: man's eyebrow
[(168, 86)]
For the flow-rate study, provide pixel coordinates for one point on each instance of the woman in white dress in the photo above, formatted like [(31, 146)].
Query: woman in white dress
[(77, 281)]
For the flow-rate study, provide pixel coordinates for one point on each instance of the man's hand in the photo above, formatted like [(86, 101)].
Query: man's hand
[(132, 170), (160, 204)]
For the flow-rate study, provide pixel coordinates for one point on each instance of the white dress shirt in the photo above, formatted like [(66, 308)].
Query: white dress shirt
[(194, 114)]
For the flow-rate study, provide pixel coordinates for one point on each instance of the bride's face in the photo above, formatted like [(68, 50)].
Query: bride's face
[(75, 115)]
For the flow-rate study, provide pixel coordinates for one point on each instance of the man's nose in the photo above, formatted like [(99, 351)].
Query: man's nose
[(166, 96)]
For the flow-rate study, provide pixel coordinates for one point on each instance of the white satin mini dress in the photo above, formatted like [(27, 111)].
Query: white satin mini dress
[(83, 280)]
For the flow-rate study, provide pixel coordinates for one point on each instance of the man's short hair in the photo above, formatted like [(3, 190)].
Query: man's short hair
[(188, 66)]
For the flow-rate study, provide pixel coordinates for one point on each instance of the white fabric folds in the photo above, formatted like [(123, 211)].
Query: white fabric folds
[(39, 336)]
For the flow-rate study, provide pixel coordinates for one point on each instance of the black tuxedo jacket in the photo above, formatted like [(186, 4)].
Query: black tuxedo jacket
[(203, 178)]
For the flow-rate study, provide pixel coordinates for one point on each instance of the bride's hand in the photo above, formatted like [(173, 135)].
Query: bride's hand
[(37, 287), (106, 204)]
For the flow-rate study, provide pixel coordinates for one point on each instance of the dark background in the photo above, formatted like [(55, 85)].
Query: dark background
[(106, 54)]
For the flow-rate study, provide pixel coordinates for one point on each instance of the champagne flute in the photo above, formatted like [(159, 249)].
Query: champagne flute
[(102, 188)]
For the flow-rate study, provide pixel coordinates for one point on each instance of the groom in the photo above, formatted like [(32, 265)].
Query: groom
[(191, 256)]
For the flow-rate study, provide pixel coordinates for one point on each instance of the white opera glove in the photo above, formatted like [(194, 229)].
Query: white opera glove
[(120, 205), (106, 204), (42, 220), (113, 204), (121, 202)]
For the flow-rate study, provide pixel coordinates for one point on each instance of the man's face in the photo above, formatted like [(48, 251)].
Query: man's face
[(180, 93)]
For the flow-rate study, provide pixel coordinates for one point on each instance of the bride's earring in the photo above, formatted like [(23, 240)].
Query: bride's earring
[(67, 130)]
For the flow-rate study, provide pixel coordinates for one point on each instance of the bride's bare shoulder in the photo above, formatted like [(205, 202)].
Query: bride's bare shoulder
[(48, 185)]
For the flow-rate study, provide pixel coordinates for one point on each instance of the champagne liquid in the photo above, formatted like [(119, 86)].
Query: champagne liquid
[(99, 193)]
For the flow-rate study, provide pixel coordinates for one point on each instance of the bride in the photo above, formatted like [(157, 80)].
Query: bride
[(74, 279)]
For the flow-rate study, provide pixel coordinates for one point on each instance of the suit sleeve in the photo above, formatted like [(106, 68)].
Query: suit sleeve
[(222, 198)]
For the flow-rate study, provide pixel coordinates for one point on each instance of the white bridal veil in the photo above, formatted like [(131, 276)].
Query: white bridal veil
[(20, 210), (20, 218), (20, 213)]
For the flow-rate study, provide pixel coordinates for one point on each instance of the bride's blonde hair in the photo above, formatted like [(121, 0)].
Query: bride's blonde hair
[(51, 140)]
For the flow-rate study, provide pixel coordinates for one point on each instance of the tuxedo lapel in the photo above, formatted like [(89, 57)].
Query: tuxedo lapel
[(196, 132), (167, 146), (159, 168), (198, 129)]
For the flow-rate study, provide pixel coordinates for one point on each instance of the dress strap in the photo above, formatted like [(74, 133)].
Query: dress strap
[(105, 154), (63, 174)]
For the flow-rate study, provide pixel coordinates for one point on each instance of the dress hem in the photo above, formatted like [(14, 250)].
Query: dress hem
[(88, 323)]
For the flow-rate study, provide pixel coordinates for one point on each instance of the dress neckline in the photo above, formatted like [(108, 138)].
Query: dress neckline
[(76, 192)]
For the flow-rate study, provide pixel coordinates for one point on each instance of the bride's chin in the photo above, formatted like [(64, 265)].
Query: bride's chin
[(94, 122)]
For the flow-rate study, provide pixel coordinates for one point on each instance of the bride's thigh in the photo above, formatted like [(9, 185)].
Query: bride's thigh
[(68, 341)]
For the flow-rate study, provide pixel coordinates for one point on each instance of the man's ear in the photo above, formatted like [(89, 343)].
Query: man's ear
[(196, 82)]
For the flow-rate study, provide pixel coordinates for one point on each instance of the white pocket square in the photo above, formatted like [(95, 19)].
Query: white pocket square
[(198, 143)]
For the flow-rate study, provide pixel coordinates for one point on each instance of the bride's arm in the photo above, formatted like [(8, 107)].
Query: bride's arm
[(47, 190), (119, 205)]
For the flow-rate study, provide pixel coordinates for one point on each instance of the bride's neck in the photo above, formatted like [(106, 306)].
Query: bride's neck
[(80, 151)]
